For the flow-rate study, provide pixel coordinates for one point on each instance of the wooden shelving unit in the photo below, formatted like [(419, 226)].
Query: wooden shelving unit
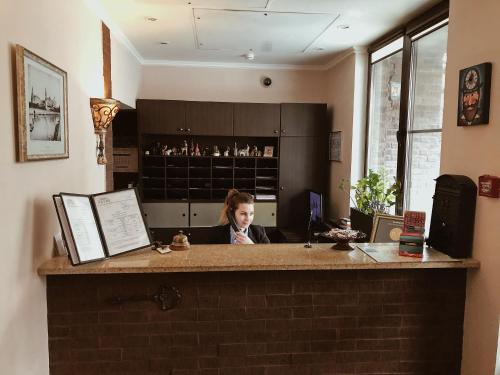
[(188, 178)]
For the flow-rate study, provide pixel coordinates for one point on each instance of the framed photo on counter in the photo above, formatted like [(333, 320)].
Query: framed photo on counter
[(386, 228)]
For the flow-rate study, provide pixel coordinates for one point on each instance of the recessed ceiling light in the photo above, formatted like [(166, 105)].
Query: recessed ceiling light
[(164, 43), (151, 19), (342, 27), (319, 49)]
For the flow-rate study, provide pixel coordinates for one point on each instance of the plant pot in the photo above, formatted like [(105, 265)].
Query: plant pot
[(362, 222)]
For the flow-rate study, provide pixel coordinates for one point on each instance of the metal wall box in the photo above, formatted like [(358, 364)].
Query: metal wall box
[(453, 213)]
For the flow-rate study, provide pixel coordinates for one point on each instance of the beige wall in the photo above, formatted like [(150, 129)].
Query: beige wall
[(68, 34), (472, 152), (340, 99), (232, 85), (125, 73)]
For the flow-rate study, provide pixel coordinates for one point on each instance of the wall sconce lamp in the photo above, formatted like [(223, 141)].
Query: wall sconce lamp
[(103, 113)]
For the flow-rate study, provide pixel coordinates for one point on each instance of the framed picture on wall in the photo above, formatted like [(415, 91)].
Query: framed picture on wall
[(335, 149), (474, 95), (42, 108)]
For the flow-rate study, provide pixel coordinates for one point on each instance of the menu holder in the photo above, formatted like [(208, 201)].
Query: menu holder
[(101, 225)]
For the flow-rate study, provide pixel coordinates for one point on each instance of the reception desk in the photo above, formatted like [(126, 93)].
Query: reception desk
[(257, 309)]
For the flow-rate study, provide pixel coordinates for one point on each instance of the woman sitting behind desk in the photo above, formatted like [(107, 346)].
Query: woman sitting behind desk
[(240, 207)]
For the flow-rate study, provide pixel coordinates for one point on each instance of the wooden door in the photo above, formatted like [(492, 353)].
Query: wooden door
[(256, 120), (303, 119), (161, 116), (209, 118), (303, 165), (166, 215), (265, 214), (205, 214)]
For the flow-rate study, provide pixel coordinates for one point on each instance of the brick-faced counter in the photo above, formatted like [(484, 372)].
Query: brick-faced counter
[(375, 321), (259, 310)]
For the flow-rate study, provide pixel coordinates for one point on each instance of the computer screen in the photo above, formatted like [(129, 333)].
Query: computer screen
[(316, 206)]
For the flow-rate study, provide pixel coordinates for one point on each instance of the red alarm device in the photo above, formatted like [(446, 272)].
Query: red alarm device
[(489, 186)]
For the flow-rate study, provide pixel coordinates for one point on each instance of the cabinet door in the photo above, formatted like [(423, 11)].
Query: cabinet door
[(303, 165), (209, 118), (205, 214), (161, 116), (302, 119), (166, 215), (256, 120), (147, 116), (265, 214)]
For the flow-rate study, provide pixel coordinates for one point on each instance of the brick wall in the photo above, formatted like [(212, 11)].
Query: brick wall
[(265, 323)]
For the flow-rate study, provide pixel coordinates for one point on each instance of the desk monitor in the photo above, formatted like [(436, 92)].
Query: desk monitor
[(316, 206)]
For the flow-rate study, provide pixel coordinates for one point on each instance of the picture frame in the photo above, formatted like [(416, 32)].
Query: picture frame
[(42, 108), (474, 95), (386, 228), (335, 146), (268, 151)]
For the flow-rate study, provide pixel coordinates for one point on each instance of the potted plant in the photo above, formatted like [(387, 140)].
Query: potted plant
[(373, 193)]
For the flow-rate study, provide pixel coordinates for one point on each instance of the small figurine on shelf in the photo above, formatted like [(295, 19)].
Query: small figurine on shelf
[(175, 151), (247, 150), (197, 150), (164, 150), (241, 152), (168, 152), (258, 153), (184, 149), (191, 149), (216, 151), (235, 151), (254, 151), (206, 151), (226, 153), (157, 148)]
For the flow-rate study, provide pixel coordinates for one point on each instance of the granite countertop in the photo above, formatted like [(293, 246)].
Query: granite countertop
[(207, 258)]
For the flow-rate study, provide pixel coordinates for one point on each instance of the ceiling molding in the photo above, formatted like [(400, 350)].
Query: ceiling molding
[(122, 38), (212, 64), (344, 55)]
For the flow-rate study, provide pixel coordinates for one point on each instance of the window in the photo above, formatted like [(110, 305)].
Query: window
[(405, 113), (425, 120)]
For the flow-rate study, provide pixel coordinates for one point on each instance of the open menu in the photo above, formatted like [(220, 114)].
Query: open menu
[(101, 225)]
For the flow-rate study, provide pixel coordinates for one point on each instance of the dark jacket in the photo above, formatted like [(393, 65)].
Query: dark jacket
[(221, 234)]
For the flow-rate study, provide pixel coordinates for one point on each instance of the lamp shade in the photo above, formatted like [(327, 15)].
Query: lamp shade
[(103, 112)]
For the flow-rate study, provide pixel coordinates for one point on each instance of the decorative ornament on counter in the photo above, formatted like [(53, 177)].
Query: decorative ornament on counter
[(180, 242)]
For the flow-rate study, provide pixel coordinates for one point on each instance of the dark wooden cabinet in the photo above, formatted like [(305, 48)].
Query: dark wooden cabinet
[(297, 131), (209, 118), (256, 120), (303, 165), (303, 120), (161, 116)]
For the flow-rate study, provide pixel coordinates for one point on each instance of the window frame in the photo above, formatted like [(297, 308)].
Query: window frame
[(408, 31)]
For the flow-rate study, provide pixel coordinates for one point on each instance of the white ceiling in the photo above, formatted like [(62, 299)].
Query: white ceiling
[(280, 32)]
